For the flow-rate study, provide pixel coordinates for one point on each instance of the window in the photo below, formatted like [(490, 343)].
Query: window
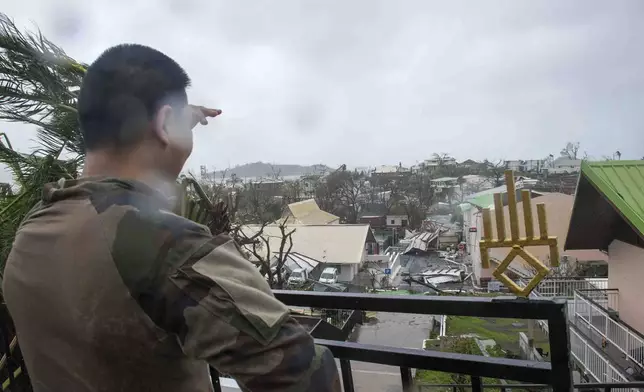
[(393, 222), (404, 222)]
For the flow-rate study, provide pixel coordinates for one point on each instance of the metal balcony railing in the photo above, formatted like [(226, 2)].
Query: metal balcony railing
[(606, 298), (566, 287), (596, 318), (595, 363), (606, 387), (556, 373)]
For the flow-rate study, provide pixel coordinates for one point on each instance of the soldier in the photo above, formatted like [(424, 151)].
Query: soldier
[(110, 291)]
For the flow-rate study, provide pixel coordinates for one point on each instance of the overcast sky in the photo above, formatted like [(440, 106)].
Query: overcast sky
[(374, 82)]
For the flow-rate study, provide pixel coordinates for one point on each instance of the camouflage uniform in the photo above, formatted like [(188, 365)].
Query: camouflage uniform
[(110, 291)]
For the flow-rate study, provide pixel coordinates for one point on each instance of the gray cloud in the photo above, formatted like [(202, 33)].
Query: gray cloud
[(365, 81)]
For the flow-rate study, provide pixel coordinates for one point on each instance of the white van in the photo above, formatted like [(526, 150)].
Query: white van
[(329, 275)]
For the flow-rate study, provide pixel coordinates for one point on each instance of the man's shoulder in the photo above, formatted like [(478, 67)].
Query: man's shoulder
[(146, 240), (135, 229), (134, 215)]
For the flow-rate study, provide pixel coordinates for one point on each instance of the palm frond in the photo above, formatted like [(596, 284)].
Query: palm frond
[(39, 85)]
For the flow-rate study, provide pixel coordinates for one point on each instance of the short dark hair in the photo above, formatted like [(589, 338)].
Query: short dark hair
[(121, 92)]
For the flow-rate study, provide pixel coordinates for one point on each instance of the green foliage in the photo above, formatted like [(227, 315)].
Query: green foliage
[(456, 345), (500, 330), (38, 86)]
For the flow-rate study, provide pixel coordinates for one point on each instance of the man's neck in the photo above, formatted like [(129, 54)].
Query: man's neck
[(107, 164), (125, 166)]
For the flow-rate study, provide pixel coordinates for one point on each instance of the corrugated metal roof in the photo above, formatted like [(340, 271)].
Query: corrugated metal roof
[(622, 183), (335, 244)]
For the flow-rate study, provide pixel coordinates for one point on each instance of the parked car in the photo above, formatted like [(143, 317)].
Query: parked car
[(329, 275)]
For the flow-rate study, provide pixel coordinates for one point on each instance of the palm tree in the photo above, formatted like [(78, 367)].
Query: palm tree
[(38, 86)]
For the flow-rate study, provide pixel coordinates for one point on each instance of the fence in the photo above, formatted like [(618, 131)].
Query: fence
[(527, 350), (606, 298), (566, 287), (594, 362), (557, 373), (606, 387), (596, 318)]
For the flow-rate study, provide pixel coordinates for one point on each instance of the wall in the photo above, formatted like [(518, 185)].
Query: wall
[(527, 352), (447, 239), (397, 220), (625, 271), (373, 221), (378, 263), (473, 218), (347, 272)]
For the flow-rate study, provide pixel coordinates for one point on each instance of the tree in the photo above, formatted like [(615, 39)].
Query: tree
[(270, 265), (352, 194), (494, 171), (327, 190), (39, 84), (571, 150), (440, 158), (292, 191), (460, 181)]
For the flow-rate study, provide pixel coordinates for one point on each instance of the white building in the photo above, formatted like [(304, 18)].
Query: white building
[(528, 165), (565, 165), (397, 220), (342, 246), (444, 182), (447, 161)]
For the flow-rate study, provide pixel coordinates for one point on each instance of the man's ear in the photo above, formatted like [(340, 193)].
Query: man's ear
[(161, 124)]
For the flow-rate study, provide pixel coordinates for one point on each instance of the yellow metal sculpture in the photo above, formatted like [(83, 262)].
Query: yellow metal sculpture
[(515, 242)]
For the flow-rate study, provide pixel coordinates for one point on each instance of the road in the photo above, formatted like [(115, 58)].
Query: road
[(389, 329)]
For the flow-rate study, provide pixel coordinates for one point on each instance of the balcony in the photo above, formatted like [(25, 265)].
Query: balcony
[(555, 374)]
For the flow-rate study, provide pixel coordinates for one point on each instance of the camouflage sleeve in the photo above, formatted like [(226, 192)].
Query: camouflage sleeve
[(225, 313)]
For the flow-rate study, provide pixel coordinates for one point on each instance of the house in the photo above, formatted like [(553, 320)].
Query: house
[(446, 161), (375, 221), (396, 221), (386, 173), (608, 214), (529, 165), (268, 187), (565, 165), (469, 163), (342, 246), (309, 183), (558, 212), (307, 212), (444, 182)]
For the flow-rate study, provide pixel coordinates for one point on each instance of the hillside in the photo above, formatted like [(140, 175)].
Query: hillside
[(261, 169)]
